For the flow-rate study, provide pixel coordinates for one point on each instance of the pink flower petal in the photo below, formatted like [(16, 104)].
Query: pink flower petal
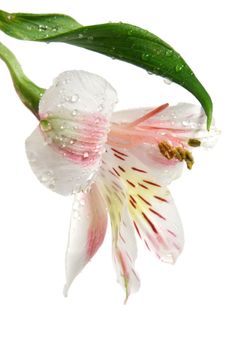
[(56, 171), (87, 231), (123, 239), (66, 153)]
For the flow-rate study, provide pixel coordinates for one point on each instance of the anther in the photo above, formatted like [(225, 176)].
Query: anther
[(179, 153)]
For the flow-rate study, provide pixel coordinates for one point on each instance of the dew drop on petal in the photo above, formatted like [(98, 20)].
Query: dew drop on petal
[(185, 123), (85, 155), (47, 178), (74, 98), (74, 112), (100, 107), (167, 81)]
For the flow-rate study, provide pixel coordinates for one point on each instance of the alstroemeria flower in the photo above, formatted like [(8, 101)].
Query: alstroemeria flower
[(117, 163)]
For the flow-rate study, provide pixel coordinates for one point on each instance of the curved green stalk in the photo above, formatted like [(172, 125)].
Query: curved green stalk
[(117, 40), (28, 92)]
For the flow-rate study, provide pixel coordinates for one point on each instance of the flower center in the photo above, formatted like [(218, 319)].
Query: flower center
[(168, 139)]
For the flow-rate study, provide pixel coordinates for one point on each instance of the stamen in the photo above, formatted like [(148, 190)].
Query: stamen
[(194, 142), (148, 115), (179, 153)]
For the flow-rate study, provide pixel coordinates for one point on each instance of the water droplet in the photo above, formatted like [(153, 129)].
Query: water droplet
[(82, 202), (167, 81), (55, 29), (185, 123), (75, 214), (90, 38), (179, 67), (145, 56), (168, 258), (10, 17), (97, 120), (47, 178), (150, 73), (74, 112), (80, 36), (158, 52), (100, 107), (168, 53), (85, 155), (49, 140), (42, 28), (74, 98)]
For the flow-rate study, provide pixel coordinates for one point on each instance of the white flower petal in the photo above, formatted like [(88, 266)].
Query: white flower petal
[(87, 231), (54, 170), (150, 205), (76, 92)]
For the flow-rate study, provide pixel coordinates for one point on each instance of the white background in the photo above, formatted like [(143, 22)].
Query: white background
[(186, 306)]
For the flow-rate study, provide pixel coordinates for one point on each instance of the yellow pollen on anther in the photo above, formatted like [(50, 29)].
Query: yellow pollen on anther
[(179, 153), (194, 142)]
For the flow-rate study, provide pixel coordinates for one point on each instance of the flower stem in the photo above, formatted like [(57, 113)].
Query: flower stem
[(29, 93)]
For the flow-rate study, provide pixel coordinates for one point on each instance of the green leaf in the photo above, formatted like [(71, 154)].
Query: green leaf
[(117, 40), (39, 27), (29, 93)]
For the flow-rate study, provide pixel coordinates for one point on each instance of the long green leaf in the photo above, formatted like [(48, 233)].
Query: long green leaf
[(29, 93), (117, 40)]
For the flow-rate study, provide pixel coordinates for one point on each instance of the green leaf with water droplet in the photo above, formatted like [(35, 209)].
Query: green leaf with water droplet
[(117, 40), (38, 27)]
